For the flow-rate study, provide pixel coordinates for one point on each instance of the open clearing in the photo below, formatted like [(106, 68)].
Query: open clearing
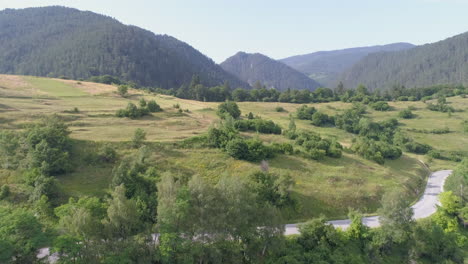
[(326, 187)]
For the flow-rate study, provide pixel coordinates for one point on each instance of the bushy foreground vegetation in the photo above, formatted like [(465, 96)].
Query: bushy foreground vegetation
[(154, 216)]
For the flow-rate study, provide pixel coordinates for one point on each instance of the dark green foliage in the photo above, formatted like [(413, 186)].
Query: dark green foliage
[(267, 71), (442, 62), (282, 148), (132, 111), (10, 154), (4, 191), (250, 149), (417, 148), (326, 66), (279, 109), (440, 107), (273, 189), (21, 235), (122, 90), (229, 108), (58, 41), (106, 79), (48, 146), (139, 138), (380, 106), (258, 125), (374, 150), (107, 154), (153, 107), (317, 147), (437, 131), (320, 119), (305, 113)]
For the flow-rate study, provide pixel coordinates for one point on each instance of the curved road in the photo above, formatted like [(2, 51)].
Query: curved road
[(425, 207)]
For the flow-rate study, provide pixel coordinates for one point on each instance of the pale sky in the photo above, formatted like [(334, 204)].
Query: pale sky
[(278, 28)]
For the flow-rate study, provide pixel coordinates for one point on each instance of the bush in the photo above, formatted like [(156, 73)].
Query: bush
[(132, 111), (374, 150), (435, 154), (4, 191), (417, 148), (282, 148), (317, 147), (280, 109), (153, 107), (122, 90), (138, 138), (229, 108), (107, 154), (406, 114), (142, 102), (380, 106), (258, 125), (238, 149), (305, 113), (321, 119)]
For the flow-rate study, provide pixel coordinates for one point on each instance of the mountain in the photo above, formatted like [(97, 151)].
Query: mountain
[(326, 66), (60, 41), (443, 62), (271, 73)]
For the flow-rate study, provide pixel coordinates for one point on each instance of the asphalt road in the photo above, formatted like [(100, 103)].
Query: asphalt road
[(426, 206)]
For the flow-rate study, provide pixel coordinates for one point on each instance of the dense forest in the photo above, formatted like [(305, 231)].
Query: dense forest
[(326, 66), (256, 67), (443, 62), (59, 41)]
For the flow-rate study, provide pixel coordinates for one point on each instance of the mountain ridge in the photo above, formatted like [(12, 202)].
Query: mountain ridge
[(326, 66), (256, 67), (56, 41)]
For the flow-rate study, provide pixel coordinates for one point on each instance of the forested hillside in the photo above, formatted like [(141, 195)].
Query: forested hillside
[(256, 67), (326, 66), (59, 41), (443, 62)]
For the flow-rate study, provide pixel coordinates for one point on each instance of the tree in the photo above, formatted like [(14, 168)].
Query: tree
[(139, 136), (21, 235), (122, 90), (142, 102), (406, 114), (229, 108), (123, 218), (395, 218)]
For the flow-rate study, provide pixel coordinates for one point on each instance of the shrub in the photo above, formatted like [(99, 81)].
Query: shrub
[(132, 111), (4, 191), (258, 125), (305, 113), (434, 154), (282, 148), (406, 114), (280, 109), (176, 106), (402, 98), (138, 138), (142, 102), (321, 119), (380, 106), (122, 90), (229, 108), (153, 107), (417, 148), (238, 149), (374, 150), (107, 154)]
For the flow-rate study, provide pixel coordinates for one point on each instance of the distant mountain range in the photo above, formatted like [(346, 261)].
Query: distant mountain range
[(443, 62), (253, 68), (59, 41), (326, 66)]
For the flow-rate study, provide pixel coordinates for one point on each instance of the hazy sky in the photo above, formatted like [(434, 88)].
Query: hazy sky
[(280, 28)]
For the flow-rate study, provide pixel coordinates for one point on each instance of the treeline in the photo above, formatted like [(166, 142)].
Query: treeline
[(259, 93)]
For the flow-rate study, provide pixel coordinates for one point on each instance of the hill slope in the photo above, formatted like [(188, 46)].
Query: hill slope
[(257, 67), (59, 41), (443, 62), (326, 66)]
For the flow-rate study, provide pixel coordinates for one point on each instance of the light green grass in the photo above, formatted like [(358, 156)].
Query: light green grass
[(54, 87), (326, 187)]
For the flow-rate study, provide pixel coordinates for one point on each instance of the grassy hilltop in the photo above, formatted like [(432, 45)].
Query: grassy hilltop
[(328, 187)]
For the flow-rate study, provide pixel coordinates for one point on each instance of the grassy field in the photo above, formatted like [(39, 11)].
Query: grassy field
[(326, 187)]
